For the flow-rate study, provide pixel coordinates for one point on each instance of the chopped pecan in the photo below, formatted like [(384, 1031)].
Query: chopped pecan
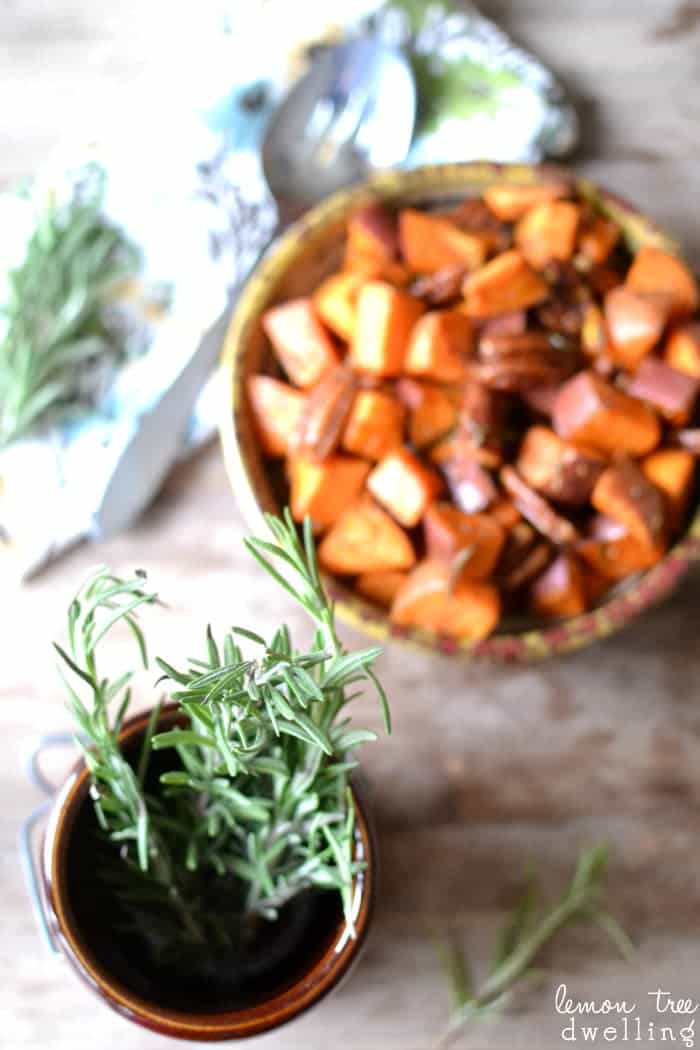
[(535, 509), (471, 487), (321, 423), (689, 438), (440, 288)]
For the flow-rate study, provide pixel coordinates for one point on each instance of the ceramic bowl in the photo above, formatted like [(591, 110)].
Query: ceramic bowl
[(305, 982), (308, 252)]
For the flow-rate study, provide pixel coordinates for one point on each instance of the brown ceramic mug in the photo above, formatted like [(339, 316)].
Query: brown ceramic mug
[(318, 964)]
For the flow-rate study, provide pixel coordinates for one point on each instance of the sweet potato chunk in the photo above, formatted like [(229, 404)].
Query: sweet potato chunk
[(364, 539), (431, 242), (276, 409), (475, 539), (302, 345), (558, 470), (673, 394), (370, 268), (380, 587), (657, 271), (624, 493), (373, 232), (672, 471), (375, 425), (617, 558), (635, 323), (432, 412), (469, 611), (548, 231), (335, 301), (561, 590), (506, 283), (509, 203), (439, 343), (404, 486), (589, 411), (324, 489), (385, 320), (471, 486), (323, 416), (597, 238), (537, 510), (683, 349)]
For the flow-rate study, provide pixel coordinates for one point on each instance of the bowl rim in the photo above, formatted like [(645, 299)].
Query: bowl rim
[(532, 643), (307, 989)]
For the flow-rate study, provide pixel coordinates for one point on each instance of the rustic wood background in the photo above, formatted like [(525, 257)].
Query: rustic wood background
[(488, 769)]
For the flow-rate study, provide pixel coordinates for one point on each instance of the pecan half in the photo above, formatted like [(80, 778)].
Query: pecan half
[(535, 509), (439, 288), (321, 423)]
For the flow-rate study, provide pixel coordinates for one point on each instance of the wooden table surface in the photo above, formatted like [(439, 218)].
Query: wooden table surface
[(488, 769)]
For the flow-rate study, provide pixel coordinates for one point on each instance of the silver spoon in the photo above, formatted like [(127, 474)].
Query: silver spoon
[(351, 113)]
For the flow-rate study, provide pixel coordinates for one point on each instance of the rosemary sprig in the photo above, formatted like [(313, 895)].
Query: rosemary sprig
[(524, 935), (56, 342), (258, 789)]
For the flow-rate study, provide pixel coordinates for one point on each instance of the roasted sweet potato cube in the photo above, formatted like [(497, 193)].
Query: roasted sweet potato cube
[(365, 539), (506, 283), (658, 272), (624, 493), (384, 323), (597, 238), (371, 268), (404, 486), (302, 345), (672, 471), (380, 587), (618, 558), (472, 542), (535, 509), (322, 490), (509, 202), (506, 514), (432, 411), (375, 424), (589, 411), (673, 394), (635, 323), (467, 611), (276, 409), (335, 301), (560, 471), (439, 343), (323, 417), (431, 242), (373, 232), (560, 592), (683, 349), (471, 486), (548, 231)]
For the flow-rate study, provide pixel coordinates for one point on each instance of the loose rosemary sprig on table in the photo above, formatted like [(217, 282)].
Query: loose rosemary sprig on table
[(259, 789), (54, 342), (526, 932)]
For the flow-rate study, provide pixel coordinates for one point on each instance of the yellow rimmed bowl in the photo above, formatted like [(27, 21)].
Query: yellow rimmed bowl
[(308, 252)]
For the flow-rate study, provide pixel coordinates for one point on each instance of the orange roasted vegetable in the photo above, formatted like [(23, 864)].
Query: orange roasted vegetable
[(672, 471), (466, 610), (431, 242), (658, 272), (380, 587), (336, 302), (373, 233), (277, 408), (432, 411), (589, 411), (505, 284), (439, 344), (324, 489), (625, 494), (558, 470), (364, 539), (509, 202), (561, 589), (635, 323), (384, 323), (683, 349), (302, 345), (475, 539), (548, 231), (620, 556), (404, 486), (375, 424)]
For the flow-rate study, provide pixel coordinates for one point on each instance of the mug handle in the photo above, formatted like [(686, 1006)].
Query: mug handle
[(29, 826)]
